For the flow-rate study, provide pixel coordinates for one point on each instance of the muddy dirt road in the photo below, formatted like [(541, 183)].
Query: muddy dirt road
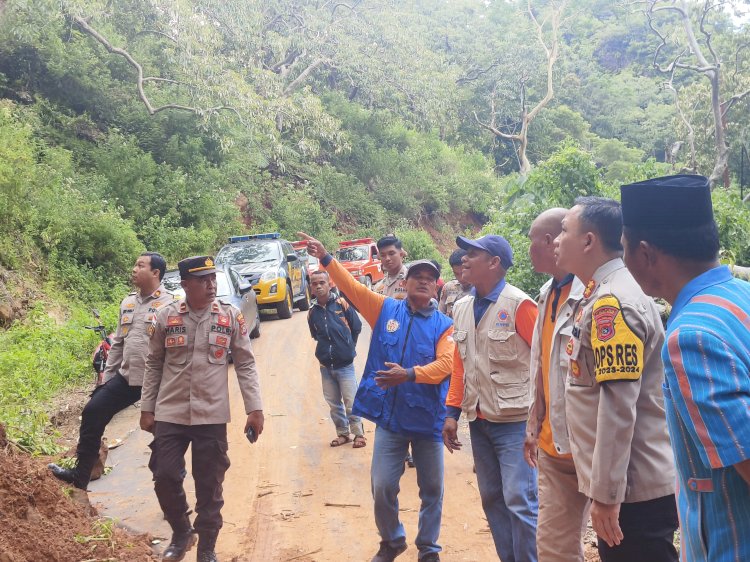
[(277, 490)]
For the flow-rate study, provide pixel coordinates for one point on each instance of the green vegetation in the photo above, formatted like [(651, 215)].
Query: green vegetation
[(339, 119)]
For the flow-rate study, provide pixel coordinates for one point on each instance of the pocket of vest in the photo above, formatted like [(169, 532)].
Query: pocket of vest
[(369, 398), (389, 342), (426, 353), (421, 415), (512, 395), (501, 345)]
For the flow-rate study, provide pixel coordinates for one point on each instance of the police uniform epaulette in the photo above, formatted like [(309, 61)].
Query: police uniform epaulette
[(222, 301)]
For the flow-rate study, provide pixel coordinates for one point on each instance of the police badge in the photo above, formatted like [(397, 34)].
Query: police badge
[(391, 325)]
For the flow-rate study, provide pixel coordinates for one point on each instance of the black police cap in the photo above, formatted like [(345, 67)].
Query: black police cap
[(197, 266), (680, 201)]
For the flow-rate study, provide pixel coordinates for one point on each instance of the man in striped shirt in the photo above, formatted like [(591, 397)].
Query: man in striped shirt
[(706, 356)]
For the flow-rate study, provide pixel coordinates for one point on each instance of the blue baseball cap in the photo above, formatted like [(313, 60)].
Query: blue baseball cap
[(493, 244)]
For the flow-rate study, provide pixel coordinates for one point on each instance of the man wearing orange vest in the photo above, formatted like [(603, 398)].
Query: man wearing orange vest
[(563, 510)]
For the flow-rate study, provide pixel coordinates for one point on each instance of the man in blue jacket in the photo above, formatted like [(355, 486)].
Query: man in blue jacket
[(403, 391), (336, 326)]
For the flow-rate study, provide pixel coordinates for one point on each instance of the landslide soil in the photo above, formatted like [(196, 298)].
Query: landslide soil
[(42, 520)]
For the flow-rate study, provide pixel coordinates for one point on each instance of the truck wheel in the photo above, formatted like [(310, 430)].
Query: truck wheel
[(284, 308), (304, 303)]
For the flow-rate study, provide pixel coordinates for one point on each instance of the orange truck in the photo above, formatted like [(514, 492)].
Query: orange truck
[(360, 258)]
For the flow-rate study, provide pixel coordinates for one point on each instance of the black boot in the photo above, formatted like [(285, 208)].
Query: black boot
[(69, 475), (207, 556), (183, 538), (207, 546)]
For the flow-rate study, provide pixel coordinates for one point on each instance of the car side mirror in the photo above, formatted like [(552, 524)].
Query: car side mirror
[(292, 257), (244, 287)]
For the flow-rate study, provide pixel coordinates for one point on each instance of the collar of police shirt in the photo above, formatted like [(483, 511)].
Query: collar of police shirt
[(400, 276), (605, 270)]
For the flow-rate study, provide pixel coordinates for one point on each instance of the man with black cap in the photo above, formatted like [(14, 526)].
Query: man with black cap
[(494, 327), (186, 402), (402, 391), (123, 374), (613, 401), (671, 247)]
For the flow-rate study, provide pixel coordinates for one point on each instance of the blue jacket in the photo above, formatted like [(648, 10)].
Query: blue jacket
[(336, 327), (409, 339)]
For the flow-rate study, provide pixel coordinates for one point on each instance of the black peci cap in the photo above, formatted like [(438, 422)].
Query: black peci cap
[(681, 201), (197, 266)]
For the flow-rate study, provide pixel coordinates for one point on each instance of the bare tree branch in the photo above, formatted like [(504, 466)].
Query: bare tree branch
[(733, 100), (475, 74), (494, 130), (297, 82), (712, 71), (737, 58), (156, 32), (140, 80), (551, 51), (707, 7)]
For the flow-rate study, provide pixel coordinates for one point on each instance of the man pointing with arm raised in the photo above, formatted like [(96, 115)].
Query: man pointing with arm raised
[(403, 391)]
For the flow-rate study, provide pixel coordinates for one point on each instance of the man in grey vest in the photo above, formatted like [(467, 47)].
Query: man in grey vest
[(494, 327)]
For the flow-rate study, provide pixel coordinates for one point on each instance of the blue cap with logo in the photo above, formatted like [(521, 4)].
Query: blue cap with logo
[(492, 244)]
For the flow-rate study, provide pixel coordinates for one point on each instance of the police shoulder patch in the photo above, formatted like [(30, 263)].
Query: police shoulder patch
[(618, 351)]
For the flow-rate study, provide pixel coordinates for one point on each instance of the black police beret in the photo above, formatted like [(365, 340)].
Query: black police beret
[(681, 201), (196, 266)]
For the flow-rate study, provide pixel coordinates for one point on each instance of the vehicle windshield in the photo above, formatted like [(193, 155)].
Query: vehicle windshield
[(222, 285), (252, 252), (353, 253), (171, 283)]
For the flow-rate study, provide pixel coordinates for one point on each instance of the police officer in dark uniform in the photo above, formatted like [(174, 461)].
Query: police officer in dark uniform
[(186, 403)]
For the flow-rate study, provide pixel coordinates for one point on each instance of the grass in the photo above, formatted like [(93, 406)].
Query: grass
[(40, 357), (104, 532)]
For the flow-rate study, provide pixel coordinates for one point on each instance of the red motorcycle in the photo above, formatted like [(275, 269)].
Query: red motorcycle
[(99, 358)]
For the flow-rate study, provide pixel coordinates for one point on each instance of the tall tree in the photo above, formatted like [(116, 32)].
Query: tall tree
[(696, 52), (547, 33)]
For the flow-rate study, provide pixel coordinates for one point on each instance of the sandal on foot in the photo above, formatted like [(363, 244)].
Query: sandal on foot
[(359, 442), (340, 440)]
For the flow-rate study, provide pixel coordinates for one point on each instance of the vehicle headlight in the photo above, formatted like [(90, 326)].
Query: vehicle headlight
[(274, 289), (269, 275)]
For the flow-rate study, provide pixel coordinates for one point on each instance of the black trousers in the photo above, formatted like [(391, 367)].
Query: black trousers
[(106, 400), (210, 463), (648, 528)]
